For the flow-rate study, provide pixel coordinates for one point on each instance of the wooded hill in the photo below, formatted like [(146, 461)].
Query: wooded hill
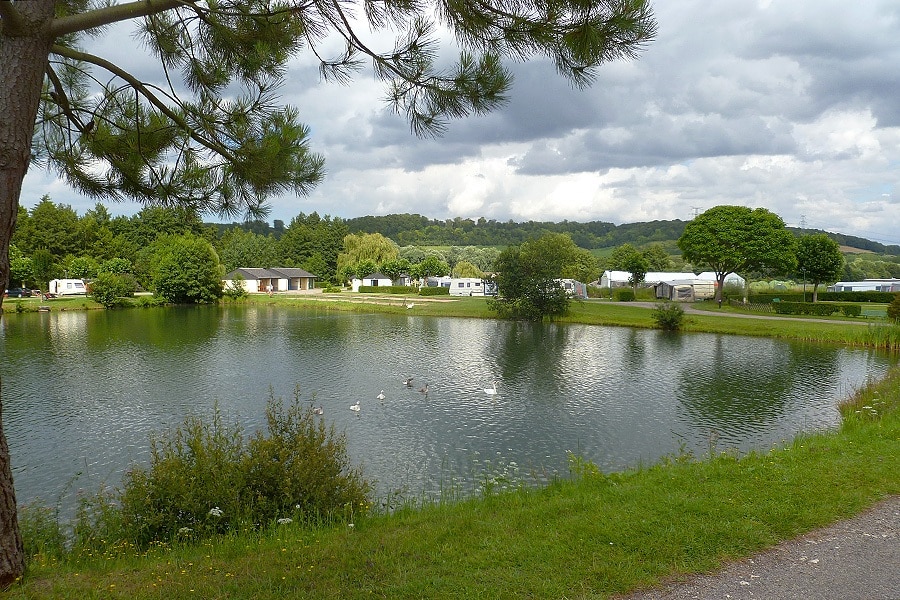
[(414, 229), (417, 230)]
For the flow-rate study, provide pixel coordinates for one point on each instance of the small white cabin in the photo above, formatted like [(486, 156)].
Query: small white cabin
[(67, 287)]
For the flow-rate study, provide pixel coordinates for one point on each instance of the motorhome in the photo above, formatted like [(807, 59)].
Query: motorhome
[(67, 287)]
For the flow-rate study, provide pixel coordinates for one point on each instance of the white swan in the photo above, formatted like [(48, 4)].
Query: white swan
[(409, 305), (381, 396), (355, 407), (491, 391)]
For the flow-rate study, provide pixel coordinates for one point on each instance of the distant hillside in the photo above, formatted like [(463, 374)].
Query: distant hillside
[(414, 229), (417, 230), (406, 229)]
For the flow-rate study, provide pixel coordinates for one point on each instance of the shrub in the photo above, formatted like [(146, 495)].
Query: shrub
[(434, 291), (300, 467), (893, 309), (206, 478), (112, 289), (332, 289), (623, 295), (234, 289), (193, 483), (851, 310), (668, 316)]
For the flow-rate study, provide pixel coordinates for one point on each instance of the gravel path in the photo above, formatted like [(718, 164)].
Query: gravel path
[(856, 559)]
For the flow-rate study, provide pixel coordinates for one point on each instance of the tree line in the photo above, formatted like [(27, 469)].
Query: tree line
[(53, 241)]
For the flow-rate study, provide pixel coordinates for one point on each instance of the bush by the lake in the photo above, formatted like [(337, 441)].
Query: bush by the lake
[(112, 289), (234, 290), (206, 477), (668, 316), (623, 295)]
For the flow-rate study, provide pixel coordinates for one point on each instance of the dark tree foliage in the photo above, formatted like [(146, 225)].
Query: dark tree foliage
[(416, 230), (528, 279)]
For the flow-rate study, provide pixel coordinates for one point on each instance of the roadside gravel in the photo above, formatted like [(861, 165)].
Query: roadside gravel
[(855, 559)]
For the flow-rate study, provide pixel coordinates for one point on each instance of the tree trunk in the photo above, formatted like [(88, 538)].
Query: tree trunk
[(24, 50), (720, 287), (815, 292)]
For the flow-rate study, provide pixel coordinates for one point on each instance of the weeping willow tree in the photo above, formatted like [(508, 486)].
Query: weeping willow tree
[(211, 133)]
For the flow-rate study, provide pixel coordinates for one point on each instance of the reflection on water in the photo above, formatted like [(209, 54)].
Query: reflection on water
[(83, 390)]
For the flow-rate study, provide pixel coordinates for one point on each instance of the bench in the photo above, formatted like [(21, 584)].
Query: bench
[(874, 312)]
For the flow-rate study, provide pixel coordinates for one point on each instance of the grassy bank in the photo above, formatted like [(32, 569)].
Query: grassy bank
[(857, 332), (850, 332), (591, 537)]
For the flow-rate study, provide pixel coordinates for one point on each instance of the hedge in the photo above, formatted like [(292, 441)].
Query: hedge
[(434, 291), (387, 289), (817, 309), (881, 297)]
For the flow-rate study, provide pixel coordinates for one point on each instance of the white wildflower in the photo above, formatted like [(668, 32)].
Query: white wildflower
[(216, 512), (284, 521), (185, 530)]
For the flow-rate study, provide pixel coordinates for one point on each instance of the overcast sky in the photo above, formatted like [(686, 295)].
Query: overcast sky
[(790, 105)]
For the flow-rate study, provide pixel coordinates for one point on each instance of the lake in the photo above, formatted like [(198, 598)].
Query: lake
[(83, 391)]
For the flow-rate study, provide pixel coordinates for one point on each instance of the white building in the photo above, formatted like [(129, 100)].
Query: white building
[(282, 279), (611, 279), (377, 279), (866, 285)]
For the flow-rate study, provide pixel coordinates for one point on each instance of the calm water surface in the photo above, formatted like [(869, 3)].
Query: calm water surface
[(83, 391)]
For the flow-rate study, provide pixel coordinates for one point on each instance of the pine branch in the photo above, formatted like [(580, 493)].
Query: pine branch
[(144, 91), (111, 14)]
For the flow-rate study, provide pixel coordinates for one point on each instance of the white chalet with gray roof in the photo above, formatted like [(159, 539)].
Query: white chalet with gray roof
[(282, 279)]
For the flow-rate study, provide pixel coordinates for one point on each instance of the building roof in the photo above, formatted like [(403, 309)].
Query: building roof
[(376, 275), (273, 273)]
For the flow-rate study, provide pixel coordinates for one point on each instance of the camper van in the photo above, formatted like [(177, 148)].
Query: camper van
[(471, 286), (67, 287)]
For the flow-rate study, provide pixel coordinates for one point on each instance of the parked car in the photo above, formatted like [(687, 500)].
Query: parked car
[(17, 293)]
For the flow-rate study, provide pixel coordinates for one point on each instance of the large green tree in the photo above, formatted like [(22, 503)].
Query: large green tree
[(210, 133), (819, 260), (528, 278), (628, 258), (366, 246), (737, 239), (186, 270)]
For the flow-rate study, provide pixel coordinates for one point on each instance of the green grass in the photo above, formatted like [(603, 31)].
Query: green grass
[(590, 537), (625, 314)]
